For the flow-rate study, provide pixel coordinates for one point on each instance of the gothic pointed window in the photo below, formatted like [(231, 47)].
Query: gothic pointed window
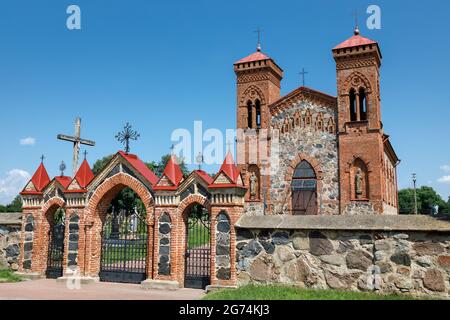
[(304, 190), (352, 97), (258, 113), (362, 104), (249, 115)]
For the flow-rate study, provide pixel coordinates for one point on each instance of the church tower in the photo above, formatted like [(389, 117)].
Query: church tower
[(367, 161), (258, 85)]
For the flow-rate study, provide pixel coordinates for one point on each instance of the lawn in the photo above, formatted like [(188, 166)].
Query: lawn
[(9, 276), (279, 292)]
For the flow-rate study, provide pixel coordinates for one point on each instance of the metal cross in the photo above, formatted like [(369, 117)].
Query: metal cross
[(229, 143), (172, 147), (77, 141), (85, 154), (42, 159), (199, 159), (126, 135), (303, 73), (62, 167), (258, 31)]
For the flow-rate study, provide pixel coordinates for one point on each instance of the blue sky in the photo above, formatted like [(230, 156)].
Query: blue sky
[(162, 65)]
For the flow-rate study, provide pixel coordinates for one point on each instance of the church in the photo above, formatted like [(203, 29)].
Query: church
[(325, 155), (307, 153)]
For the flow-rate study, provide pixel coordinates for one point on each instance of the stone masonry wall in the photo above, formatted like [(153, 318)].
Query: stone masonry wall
[(314, 137), (416, 263), (9, 246)]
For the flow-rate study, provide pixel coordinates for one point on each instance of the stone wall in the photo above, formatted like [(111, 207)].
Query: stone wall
[(10, 227), (312, 139), (388, 262)]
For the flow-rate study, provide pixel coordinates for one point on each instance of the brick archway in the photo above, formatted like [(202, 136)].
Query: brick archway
[(182, 211), (290, 173), (96, 214), (41, 244)]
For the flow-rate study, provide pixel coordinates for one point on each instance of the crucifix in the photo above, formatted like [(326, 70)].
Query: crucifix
[(77, 141), (303, 73), (258, 31)]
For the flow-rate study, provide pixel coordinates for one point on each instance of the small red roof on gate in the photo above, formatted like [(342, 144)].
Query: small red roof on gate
[(84, 175), (229, 169), (173, 171), (40, 180), (140, 167), (204, 176), (64, 181)]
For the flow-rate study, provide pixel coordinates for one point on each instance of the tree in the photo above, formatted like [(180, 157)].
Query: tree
[(14, 206), (427, 199)]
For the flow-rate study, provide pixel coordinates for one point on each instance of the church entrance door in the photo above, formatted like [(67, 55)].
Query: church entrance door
[(56, 247)]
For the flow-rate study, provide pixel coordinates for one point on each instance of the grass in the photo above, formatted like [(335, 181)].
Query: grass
[(198, 235), (279, 292), (9, 276)]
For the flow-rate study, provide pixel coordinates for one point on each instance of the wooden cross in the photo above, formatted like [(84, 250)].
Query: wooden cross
[(258, 31), (303, 73), (77, 141)]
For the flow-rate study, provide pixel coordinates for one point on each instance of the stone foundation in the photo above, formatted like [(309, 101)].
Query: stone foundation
[(415, 262)]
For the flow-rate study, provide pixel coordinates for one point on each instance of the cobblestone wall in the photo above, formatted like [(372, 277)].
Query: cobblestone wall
[(416, 263), (10, 245)]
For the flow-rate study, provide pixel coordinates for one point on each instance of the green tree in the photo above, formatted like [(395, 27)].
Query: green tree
[(14, 206), (427, 198)]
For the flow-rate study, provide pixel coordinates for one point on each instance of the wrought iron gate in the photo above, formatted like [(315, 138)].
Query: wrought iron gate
[(124, 248), (55, 251), (198, 250)]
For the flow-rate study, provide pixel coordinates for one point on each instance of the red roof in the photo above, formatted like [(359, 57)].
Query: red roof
[(173, 171), (257, 56), (204, 176), (140, 167), (229, 168), (40, 178), (64, 181), (84, 175), (354, 41)]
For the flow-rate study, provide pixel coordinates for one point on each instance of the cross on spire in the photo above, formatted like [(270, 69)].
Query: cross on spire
[(258, 31), (42, 159), (85, 154), (126, 135), (77, 141), (303, 73), (172, 147), (229, 143)]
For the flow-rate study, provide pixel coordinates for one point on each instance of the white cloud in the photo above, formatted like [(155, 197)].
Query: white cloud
[(445, 168), (29, 141), (12, 184), (444, 179)]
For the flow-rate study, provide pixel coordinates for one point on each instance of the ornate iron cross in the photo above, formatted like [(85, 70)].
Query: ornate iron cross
[(126, 135)]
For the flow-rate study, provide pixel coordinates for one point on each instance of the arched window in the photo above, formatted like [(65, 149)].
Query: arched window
[(304, 190), (249, 115), (258, 113), (362, 104), (352, 101)]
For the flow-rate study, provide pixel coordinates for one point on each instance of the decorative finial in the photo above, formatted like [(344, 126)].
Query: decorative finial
[(62, 167), (258, 31), (356, 31), (229, 143), (85, 154), (172, 147), (42, 159), (199, 159), (126, 135)]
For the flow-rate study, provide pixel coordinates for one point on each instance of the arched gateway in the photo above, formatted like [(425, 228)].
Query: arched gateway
[(170, 237)]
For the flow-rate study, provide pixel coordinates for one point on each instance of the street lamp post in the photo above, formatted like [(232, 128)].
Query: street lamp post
[(414, 178)]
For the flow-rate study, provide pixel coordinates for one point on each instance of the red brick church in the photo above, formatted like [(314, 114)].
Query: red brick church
[(321, 155)]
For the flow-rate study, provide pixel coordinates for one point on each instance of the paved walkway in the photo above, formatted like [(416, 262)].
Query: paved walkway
[(47, 289)]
